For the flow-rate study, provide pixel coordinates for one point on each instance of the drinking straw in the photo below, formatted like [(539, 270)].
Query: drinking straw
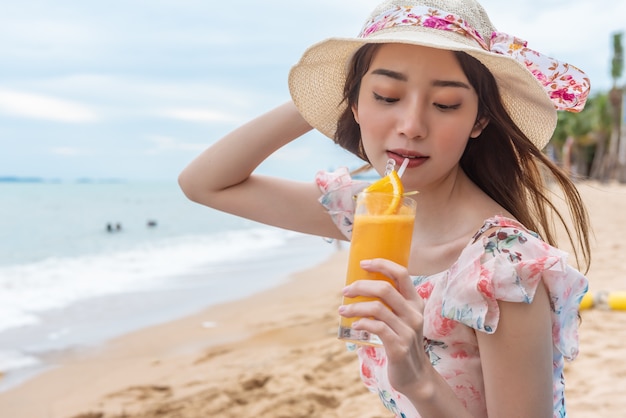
[(403, 167), (391, 165)]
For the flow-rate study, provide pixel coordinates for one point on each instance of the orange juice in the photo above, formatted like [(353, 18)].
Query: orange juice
[(376, 235)]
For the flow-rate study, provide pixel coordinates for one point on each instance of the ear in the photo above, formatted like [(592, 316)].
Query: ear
[(355, 113), (478, 127)]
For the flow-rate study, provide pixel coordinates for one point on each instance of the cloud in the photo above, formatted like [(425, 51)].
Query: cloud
[(200, 115), (165, 143), (131, 97), (46, 33), (37, 106)]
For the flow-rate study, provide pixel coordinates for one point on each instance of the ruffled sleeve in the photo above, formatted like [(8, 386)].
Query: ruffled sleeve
[(507, 264), (338, 192)]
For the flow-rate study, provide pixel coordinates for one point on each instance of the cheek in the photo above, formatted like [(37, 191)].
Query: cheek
[(371, 122), (453, 138)]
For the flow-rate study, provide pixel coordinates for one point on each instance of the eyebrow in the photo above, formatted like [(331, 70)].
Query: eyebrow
[(392, 74), (436, 83), (450, 83)]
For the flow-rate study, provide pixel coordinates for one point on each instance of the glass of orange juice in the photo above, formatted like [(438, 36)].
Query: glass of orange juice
[(382, 228)]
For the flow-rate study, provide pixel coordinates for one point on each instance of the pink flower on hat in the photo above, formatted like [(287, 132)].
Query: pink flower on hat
[(377, 25), (563, 95), (435, 23), (541, 77)]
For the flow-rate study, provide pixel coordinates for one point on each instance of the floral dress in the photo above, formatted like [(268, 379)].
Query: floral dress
[(503, 261)]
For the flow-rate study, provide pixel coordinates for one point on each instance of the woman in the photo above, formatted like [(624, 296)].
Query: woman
[(486, 313)]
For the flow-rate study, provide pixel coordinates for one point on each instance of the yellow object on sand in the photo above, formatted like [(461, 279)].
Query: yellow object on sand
[(587, 301), (614, 301)]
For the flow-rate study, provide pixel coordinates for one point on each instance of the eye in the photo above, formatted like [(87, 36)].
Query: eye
[(384, 99), (441, 106)]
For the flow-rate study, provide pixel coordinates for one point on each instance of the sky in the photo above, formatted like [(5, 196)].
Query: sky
[(135, 89)]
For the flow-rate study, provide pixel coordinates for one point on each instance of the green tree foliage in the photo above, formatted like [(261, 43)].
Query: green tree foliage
[(587, 143), (617, 62), (585, 131)]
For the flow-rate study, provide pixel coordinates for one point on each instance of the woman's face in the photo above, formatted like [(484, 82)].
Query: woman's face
[(416, 102)]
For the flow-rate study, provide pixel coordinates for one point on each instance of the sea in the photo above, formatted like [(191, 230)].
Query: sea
[(82, 262)]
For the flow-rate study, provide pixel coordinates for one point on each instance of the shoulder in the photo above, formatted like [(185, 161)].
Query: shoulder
[(505, 262), (505, 237), (498, 222)]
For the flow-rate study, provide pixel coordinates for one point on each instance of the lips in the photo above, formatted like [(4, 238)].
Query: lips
[(415, 158)]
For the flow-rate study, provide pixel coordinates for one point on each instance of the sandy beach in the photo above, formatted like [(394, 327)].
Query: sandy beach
[(275, 354)]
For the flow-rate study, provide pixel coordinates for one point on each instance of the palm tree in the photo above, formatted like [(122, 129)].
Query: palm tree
[(602, 123), (577, 135), (615, 164), (608, 110)]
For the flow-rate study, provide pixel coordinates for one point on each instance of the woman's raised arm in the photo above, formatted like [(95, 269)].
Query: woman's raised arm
[(222, 176)]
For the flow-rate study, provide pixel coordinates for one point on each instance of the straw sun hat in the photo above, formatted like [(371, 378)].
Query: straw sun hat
[(532, 86)]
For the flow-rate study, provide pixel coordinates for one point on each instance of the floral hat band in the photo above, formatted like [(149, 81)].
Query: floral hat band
[(566, 85)]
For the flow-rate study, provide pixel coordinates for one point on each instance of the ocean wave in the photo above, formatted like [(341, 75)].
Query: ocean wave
[(55, 282), (11, 360)]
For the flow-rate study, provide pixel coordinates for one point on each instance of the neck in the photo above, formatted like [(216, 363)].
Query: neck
[(451, 208)]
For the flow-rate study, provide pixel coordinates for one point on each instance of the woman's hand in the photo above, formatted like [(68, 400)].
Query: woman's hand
[(396, 318)]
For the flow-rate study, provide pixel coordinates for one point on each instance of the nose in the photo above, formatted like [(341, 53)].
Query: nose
[(412, 120)]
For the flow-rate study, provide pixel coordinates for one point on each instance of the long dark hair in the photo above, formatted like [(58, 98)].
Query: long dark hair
[(502, 161)]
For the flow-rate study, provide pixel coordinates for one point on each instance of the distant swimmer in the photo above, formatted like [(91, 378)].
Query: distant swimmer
[(111, 228)]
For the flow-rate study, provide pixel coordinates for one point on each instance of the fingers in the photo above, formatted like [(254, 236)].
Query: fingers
[(397, 274), (396, 316), (396, 334), (395, 307), (374, 309)]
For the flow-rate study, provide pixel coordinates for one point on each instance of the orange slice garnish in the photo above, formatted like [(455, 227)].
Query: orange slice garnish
[(389, 184)]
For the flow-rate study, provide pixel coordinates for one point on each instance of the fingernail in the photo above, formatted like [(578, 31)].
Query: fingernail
[(342, 309), (365, 263)]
